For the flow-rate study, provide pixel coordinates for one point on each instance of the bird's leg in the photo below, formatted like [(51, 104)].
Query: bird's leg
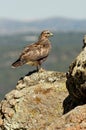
[(39, 68)]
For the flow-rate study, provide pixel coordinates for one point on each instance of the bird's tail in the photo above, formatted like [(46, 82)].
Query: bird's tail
[(17, 63)]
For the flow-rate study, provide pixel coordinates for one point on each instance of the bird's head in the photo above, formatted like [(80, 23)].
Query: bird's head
[(46, 34), (84, 39)]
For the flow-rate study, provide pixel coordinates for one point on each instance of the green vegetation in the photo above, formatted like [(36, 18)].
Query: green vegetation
[(65, 47)]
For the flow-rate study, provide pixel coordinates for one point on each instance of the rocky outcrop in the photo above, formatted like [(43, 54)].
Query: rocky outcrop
[(36, 102), (76, 79), (48, 100)]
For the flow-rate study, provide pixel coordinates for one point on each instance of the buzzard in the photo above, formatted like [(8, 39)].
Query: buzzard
[(36, 53)]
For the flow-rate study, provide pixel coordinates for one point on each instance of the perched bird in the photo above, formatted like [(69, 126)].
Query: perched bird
[(84, 41), (36, 53)]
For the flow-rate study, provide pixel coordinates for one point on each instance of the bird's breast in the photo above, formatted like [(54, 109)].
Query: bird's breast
[(32, 63)]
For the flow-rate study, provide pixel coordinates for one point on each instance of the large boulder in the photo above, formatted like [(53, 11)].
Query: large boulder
[(76, 79), (36, 102)]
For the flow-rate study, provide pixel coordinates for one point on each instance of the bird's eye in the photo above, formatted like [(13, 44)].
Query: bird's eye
[(48, 33)]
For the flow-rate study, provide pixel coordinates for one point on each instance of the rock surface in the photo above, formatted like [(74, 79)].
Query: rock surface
[(74, 120), (36, 102)]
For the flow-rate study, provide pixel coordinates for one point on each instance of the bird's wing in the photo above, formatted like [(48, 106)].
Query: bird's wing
[(35, 52)]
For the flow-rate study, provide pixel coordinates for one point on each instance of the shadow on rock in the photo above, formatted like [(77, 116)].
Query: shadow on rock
[(28, 74), (76, 83)]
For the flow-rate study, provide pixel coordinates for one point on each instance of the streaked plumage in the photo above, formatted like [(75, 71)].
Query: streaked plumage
[(35, 54)]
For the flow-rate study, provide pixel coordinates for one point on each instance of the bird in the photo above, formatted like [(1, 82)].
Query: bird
[(84, 41), (36, 53)]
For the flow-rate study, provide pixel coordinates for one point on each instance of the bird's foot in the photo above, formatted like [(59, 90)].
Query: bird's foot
[(41, 70)]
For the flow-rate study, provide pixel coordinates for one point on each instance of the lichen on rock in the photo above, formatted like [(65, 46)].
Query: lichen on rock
[(76, 78), (35, 103)]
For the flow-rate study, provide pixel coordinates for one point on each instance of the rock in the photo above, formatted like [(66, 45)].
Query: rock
[(36, 102), (74, 120), (76, 79)]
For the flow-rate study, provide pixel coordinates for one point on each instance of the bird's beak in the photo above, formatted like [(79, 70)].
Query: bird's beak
[(51, 34)]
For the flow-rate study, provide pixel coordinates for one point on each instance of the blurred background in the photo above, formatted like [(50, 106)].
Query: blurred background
[(21, 22)]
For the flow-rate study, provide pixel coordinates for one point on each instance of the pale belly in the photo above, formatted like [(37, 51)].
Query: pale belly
[(35, 63)]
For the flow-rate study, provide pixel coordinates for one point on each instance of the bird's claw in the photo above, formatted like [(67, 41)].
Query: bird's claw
[(41, 70)]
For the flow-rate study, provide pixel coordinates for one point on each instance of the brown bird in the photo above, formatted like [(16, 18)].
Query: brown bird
[(84, 41), (35, 54)]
